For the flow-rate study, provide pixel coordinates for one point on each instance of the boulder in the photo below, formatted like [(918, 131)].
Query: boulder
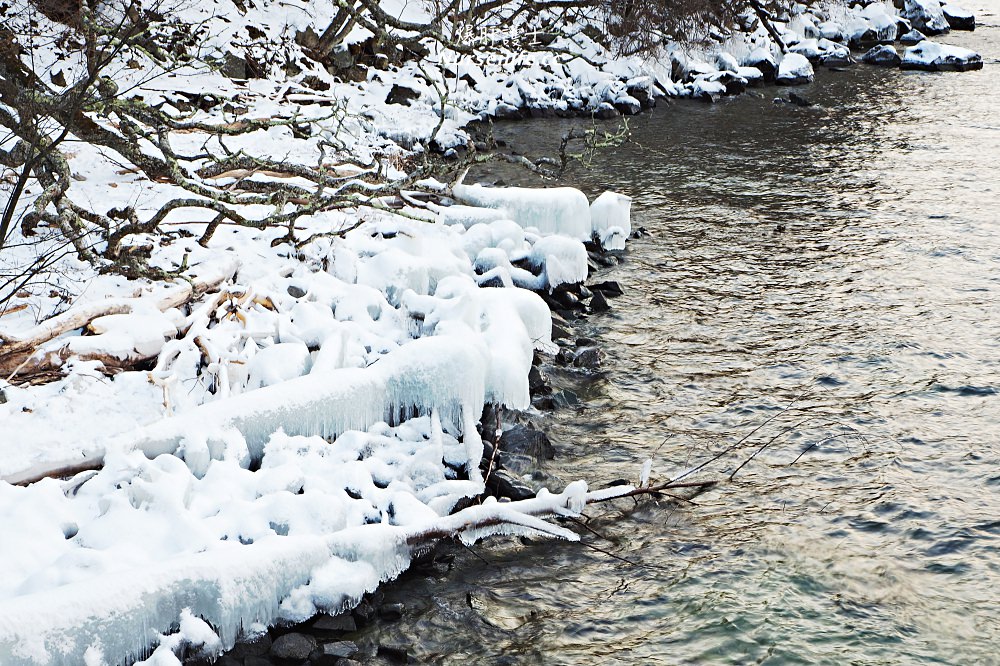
[(912, 37), (933, 57), (293, 646), (764, 62), (958, 18), (882, 55), (794, 70), (926, 16), (527, 441)]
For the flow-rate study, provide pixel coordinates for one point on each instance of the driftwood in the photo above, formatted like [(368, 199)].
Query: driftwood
[(18, 351)]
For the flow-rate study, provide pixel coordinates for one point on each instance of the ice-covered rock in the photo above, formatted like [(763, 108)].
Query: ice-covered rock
[(882, 20), (763, 61), (934, 57), (926, 16), (912, 37), (882, 55), (726, 62), (832, 30), (794, 70), (611, 217), (959, 18), (557, 210)]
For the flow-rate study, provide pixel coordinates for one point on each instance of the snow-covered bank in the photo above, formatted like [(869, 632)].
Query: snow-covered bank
[(221, 497), (258, 477)]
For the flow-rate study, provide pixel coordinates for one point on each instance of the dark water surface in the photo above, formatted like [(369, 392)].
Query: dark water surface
[(844, 259)]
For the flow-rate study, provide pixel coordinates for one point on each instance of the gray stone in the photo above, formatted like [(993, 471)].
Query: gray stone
[(295, 291), (293, 646), (527, 441), (330, 654), (588, 358), (958, 18), (599, 303), (883, 56), (254, 647), (912, 37), (343, 623), (504, 484), (610, 288), (391, 611)]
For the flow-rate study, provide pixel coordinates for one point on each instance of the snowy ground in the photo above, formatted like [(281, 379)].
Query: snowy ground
[(302, 427)]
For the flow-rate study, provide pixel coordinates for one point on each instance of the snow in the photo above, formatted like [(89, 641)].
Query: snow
[(310, 421), (794, 69), (557, 210), (930, 55), (611, 219), (926, 16)]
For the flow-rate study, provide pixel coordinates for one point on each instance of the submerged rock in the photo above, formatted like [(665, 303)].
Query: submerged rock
[(882, 55), (933, 57), (959, 18)]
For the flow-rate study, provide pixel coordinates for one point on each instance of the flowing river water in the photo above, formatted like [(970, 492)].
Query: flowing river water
[(843, 260)]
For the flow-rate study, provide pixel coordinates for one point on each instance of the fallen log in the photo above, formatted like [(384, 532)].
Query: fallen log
[(18, 355)]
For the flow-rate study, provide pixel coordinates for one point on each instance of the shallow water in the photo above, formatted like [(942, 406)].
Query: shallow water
[(843, 260)]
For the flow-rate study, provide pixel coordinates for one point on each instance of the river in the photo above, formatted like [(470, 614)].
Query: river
[(842, 260)]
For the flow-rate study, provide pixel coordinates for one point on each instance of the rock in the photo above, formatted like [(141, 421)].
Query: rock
[(255, 647), (330, 654), (958, 18), (764, 61), (832, 30), (588, 358), (726, 62), (933, 57), (507, 112), (228, 660), (293, 646), (257, 661), (882, 55), (605, 111), (599, 302), (912, 37), (364, 612), (609, 287), (794, 70), (401, 95), (394, 653), (926, 16), (504, 484), (528, 441), (233, 66), (799, 100), (391, 611), (627, 105), (347, 662), (536, 380), (343, 623), (296, 291)]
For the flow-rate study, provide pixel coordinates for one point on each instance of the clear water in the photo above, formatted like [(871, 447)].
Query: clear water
[(873, 309)]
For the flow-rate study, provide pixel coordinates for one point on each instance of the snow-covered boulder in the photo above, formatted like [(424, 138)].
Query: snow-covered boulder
[(882, 21), (832, 30), (959, 18), (794, 70), (934, 57), (763, 61), (726, 62), (926, 16), (611, 216), (912, 37), (882, 55)]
